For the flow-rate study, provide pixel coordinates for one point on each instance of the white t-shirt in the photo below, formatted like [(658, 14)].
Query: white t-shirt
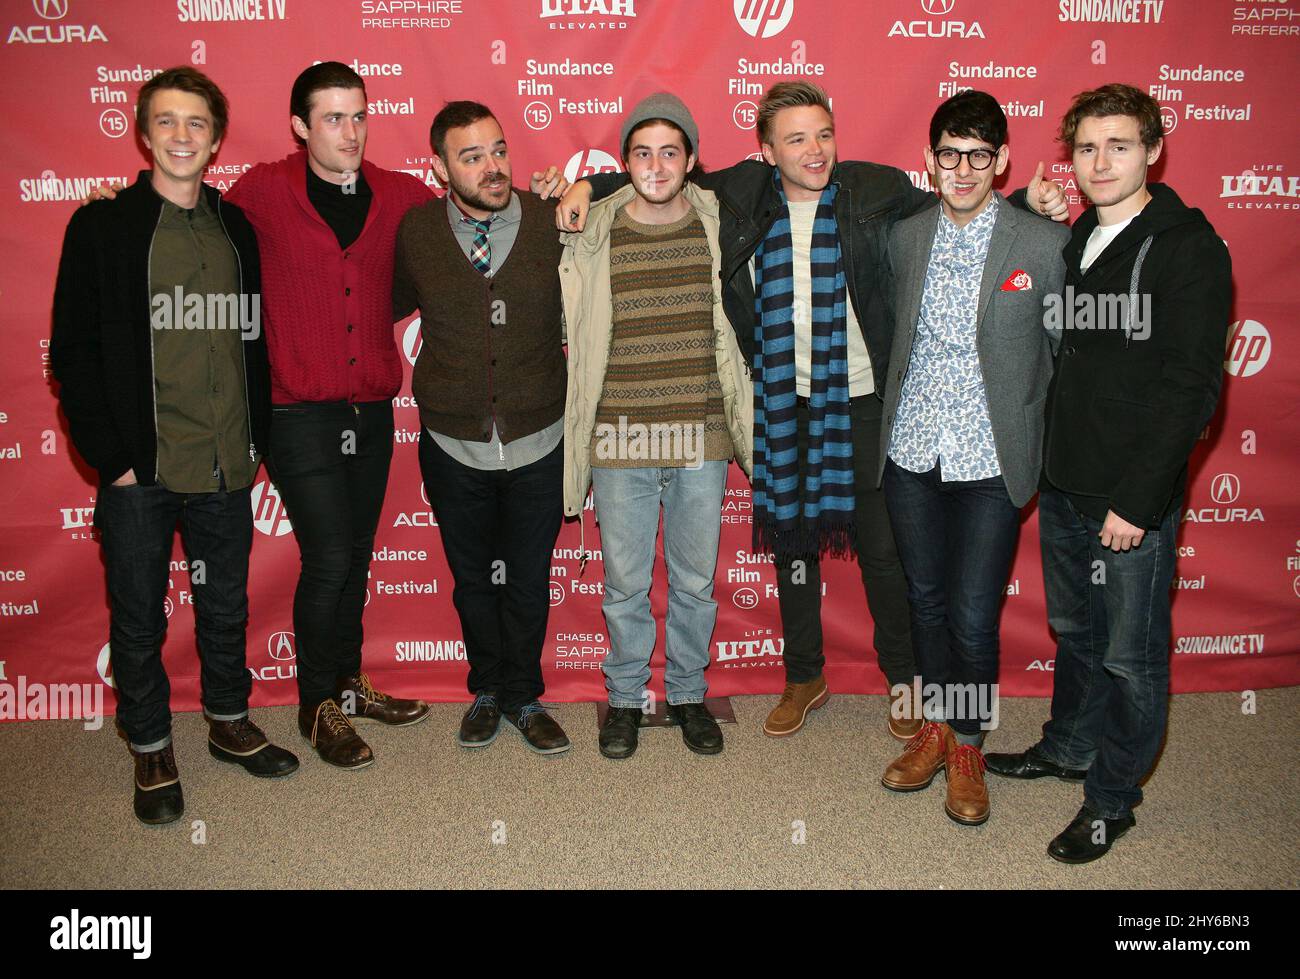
[(861, 380), (1101, 237)]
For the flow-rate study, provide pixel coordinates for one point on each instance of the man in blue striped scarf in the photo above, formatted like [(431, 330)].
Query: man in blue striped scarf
[(806, 287)]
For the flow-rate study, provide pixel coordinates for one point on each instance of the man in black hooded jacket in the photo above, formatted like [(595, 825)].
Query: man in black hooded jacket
[(1145, 317)]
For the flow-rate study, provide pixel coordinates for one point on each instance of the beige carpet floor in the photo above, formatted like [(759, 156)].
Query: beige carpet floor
[(1222, 810)]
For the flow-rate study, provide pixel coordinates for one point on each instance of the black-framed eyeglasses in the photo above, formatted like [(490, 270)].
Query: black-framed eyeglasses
[(979, 158)]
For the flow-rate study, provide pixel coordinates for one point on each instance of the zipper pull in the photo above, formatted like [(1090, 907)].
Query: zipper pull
[(252, 452), (501, 449)]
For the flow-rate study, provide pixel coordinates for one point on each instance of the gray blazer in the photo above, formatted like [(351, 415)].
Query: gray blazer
[(1015, 349)]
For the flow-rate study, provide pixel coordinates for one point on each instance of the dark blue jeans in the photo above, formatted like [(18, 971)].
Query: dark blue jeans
[(137, 524), (956, 540), (492, 520), (330, 463), (1110, 613)]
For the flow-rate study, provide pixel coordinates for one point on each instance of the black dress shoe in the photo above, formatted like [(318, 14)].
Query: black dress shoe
[(1028, 765), (539, 729), (242, 742), (618, 733), (699, 730), (1088, 837), (479, 726), (158, 797)]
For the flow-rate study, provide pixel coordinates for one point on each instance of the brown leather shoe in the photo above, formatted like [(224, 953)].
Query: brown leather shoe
[(920, 761), (968, 796), (158, 797), (243, 743), (796, 701), (482, 721), (360, 700), (905, 718), (333, 736), (539, 729)]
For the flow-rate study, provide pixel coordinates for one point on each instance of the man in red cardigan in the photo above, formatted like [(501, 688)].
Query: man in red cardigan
[(326, 223)]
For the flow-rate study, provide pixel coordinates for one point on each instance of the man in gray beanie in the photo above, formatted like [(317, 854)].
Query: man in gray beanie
[(658, 404)]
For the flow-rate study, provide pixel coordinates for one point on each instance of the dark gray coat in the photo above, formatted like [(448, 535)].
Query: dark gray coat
[(1015, 348)]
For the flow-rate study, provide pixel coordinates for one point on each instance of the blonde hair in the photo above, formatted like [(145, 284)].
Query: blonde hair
[(788, 95)]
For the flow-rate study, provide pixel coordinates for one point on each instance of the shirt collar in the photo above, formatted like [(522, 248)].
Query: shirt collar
[(511, 214), (978, 230)]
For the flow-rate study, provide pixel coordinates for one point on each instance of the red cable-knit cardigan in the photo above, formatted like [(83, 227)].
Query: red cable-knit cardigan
[(327, 311)]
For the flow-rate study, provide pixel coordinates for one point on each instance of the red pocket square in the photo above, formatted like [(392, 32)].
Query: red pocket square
[(1018, 281)]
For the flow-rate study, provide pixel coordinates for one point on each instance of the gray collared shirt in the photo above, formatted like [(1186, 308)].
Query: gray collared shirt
[(495, 454), (943, 411)]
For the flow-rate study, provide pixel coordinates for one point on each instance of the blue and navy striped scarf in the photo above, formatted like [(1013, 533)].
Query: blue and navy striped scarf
[(793, 520)]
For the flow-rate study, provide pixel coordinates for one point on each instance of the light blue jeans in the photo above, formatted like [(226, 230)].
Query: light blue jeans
[(627, 506)]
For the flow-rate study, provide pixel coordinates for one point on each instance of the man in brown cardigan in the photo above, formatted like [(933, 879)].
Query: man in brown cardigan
[(490, 383)]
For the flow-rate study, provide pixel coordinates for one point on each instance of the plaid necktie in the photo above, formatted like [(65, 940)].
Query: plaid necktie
[(480, 252)]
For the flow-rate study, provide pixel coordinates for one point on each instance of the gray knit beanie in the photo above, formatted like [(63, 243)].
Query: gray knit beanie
[(662, 105)]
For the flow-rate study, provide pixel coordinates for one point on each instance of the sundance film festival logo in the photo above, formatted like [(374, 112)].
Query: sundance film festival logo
[(51, 32), (763, 18), (1249, 347), (936, 28)]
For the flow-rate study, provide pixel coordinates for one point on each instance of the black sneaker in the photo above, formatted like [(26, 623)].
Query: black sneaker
[(699, 730), (618, 733)]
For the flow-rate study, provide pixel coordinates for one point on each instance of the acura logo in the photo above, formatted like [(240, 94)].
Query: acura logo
[(1225, 489), (937, 8), (280, 645), (51, 9)]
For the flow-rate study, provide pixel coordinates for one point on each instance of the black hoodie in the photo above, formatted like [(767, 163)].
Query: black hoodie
[(1125, 408)]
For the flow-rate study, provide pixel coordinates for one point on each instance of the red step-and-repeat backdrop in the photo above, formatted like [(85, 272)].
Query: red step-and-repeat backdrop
[(560, 74)]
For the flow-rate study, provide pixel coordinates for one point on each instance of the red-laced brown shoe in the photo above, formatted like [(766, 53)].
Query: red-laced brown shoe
[(361, 701), (968, 796), (920, 761)]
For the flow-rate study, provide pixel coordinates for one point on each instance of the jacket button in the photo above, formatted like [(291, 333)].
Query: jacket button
[(494, 399), (1069, 351), (349, 327), (494, 361), (352, 360), (345, 254), (347, 290)]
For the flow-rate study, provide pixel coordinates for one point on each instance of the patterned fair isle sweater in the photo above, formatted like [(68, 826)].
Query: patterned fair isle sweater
[(661, 405)]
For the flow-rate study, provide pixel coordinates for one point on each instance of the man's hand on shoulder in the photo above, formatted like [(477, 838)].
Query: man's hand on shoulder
[(571, 212), (549, 184), (102, 192)]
